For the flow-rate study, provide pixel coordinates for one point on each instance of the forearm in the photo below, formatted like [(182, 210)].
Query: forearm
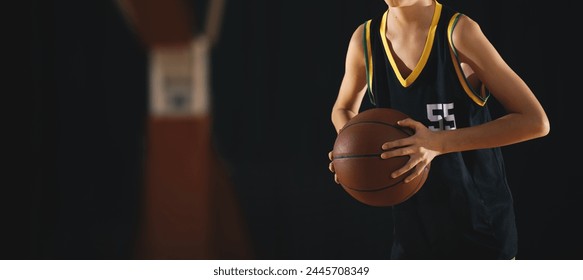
[(509, 129), (340, 117)]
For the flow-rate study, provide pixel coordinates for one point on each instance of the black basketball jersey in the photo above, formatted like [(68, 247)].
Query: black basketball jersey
[(465, 208)]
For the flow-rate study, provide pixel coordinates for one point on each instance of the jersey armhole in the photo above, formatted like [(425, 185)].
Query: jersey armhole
[(480, 96), (368, 61)]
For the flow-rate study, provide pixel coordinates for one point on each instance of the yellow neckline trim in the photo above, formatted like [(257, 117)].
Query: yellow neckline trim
[(426, 49)]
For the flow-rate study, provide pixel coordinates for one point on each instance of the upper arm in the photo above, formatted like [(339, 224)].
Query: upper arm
[(502, 81), (353, 86)]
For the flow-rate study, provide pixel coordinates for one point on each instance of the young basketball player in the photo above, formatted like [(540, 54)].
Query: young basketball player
[(436, 66)]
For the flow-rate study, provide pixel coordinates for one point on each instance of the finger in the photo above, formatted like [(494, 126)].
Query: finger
[(411, 164), (331, 167), (397, 143), (336, 179), (417, 172), (330, 155), (410, 126), (405, 151), (408, 122), (401, 171)]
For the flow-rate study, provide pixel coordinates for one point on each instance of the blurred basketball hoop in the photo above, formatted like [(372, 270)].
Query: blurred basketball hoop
[(179, 56), (179, 84), (182, 217)]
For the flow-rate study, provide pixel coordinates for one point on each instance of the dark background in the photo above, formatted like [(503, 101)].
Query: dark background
[(276, 71)]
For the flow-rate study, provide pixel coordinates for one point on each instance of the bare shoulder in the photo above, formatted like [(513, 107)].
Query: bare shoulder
[(358, 32), (466, 31), (356, 40), (355, 53), (471, 42)]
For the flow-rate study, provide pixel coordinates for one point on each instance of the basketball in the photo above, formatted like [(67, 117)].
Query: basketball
[(357, 161)]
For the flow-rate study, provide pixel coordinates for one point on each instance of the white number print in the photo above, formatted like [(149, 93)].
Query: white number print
[(440, 114)]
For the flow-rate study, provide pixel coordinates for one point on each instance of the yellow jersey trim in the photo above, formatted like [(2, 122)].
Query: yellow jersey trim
[(478, 98), (405, 82), (369, 57)]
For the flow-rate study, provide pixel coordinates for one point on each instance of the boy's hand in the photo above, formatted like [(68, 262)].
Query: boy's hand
[(331, 167)]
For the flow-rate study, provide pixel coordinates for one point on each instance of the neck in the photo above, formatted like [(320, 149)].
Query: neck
[(410, 13)]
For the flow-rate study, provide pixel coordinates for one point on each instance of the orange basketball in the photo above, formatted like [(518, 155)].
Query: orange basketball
[(358, 164)]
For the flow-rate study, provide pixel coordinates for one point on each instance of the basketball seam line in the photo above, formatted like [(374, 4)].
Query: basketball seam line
[(425, 170), (379, 189), (379, 122), (374, 122), (357, 156)]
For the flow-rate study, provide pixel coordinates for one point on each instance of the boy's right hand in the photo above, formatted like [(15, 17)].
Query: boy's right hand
[(331, 167)]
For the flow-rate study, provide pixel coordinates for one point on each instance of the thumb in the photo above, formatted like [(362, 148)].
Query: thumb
[(409, 124)]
